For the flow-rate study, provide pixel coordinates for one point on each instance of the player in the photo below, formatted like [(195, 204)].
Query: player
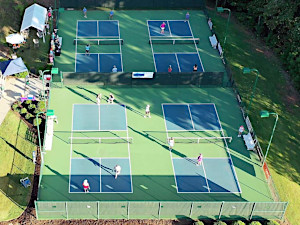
[(162, 28), (111, 98), (114, 69), (84, 12), (86, 186), (98, 98), (171, 143), (195, 68), (117, 170), (111, 14), (187, 16), (87, 49), (199, 159), (147, 111), (170, 69), (241, 130)]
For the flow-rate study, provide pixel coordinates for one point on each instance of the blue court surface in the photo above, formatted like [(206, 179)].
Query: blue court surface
[(100, 174), (102, 63), (103, 117), (174, 28), (180, 62), (98, 28), (215, 175), (188, 117)]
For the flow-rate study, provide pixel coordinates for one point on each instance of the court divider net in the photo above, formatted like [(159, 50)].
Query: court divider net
[(100, 140), (108, 41), (199, 140)]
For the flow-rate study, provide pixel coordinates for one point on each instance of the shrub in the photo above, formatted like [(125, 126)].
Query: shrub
[(238, 222), (32, 106), (23, 110), (273, 222), (28, 116), (27, 102), (220, 223), (15, 106), (42, 106), (22, 74), (17, 110), (198, 223), (255, 223), (37, 122)]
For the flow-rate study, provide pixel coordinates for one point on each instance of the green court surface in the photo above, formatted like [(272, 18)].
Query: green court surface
[(151, 164), (136, 50)]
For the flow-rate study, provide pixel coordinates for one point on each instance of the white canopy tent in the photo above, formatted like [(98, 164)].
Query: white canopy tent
[(35, 16)]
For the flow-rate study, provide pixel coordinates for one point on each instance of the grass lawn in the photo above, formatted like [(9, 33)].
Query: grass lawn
[(272, 93), (16, 163)]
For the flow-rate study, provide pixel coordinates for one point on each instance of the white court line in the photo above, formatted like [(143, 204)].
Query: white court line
[(228, 151), (97, 28), (99, 110), (208, 188), (100, 174), (121, 55), (191, 116), (169, 28), (162, 105), (76, 46), (196, 46), (174, 172), (177, 62), (128, 145), (151, 47), (71, 149)]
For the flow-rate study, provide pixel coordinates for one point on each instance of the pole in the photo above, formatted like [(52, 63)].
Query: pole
[(270, 138), (38, 128), (254, 87), (227, 26)]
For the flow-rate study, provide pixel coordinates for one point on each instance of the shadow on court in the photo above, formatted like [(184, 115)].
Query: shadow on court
[(81, 95), (108, 170), (159, 142)]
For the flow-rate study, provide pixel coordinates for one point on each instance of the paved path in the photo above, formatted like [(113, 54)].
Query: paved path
[(14, 88)]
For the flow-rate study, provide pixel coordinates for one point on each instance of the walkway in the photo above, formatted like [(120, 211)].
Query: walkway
[(14, 88)]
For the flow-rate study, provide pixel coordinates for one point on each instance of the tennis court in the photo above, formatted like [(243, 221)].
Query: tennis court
[(107, 33), (177, 32)]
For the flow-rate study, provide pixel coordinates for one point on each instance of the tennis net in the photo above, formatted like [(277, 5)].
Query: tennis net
[(111, 41), (100, 140), (200, 140), (174, 41)]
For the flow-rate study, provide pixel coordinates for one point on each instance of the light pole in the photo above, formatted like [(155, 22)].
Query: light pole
[(246, 71), (221, 9), (264, 114)]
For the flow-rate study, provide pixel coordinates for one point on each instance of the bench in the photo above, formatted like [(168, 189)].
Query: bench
[(213, 41), (249, 142)]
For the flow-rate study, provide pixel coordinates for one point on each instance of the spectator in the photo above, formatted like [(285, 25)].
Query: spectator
[(210, 24)]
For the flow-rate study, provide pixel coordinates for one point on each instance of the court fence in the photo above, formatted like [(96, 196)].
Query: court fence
[(46, 210), (131, 4), (191, 79)]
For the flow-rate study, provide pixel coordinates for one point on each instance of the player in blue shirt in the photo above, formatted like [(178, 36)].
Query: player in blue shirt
[(87, 49), (84, 12), (111, 14)]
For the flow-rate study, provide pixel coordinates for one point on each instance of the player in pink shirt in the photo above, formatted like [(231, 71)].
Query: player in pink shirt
[(162, 28), (199, 159)]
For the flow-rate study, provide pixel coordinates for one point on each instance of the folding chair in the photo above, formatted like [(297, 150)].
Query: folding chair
[(25, 182)]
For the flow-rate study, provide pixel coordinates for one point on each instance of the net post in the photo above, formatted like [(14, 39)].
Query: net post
[(191, 211), (98, 210), (128, 205), (159, 208), (221, 209), (36, 210), (253, 207), (66, 208)]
